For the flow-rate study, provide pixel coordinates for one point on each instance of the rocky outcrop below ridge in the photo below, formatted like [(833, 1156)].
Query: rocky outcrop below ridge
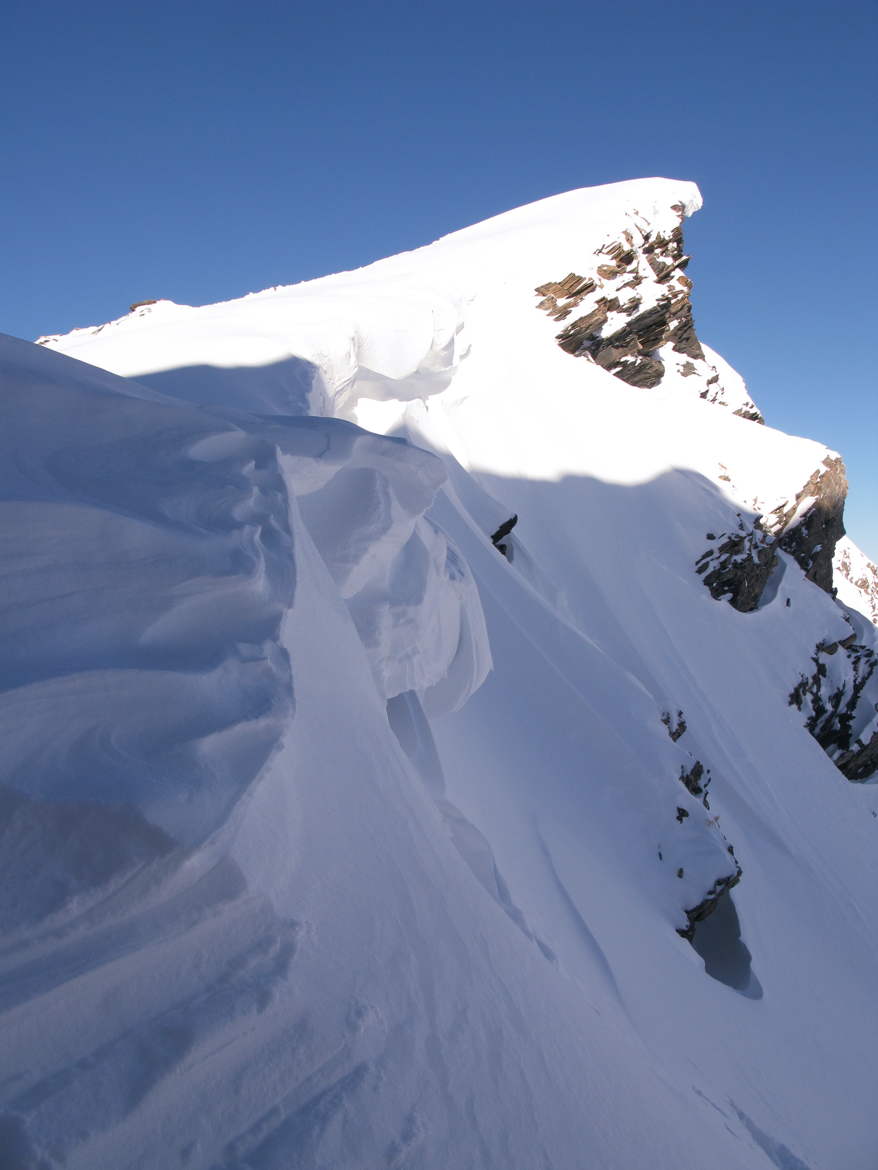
[(737, 565), (697, 780), (812, 524), (709, 902), (856, 579), (632, 314), (838, 692), (839, 699)]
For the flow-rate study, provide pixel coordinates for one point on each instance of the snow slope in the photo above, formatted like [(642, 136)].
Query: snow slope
[(333, 837), (856, 578)]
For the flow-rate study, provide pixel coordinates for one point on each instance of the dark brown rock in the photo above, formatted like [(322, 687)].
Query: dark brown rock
[(752, 414), (860, 762), (676, 729), (737, 568), (812, 537), (692, 779), (583, 330), (498, 538), (841, 683), (682, 334), (642, 371), (709, 902), (630, 351)]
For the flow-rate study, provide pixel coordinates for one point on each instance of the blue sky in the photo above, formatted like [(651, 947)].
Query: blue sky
[(199, 152)]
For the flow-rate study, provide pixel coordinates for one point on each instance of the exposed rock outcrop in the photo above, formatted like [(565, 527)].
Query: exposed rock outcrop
[(838, 698), (856, 579), (737, 565), (676, 727), (633, 315), (810, 526), (838, 694), (498, 538), (710, 901), (696, 780)]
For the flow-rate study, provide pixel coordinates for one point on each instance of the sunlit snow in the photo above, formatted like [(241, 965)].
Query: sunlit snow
[(332, 838)]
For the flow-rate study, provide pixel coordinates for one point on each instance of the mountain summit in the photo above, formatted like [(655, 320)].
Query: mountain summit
[(437, 714)]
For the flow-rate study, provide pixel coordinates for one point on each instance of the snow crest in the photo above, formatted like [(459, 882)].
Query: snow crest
[(291, 876)]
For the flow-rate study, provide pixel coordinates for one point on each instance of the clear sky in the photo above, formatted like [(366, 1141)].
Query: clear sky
[(201, 151)]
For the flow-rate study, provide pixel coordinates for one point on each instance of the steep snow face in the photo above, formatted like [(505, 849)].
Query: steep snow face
[(856, 579), (410, 595), (336, 892)]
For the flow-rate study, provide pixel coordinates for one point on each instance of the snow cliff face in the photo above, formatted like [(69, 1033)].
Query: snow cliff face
[(339, 834)]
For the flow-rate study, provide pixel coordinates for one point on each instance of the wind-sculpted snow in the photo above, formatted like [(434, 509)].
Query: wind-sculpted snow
[(147, 566), (284, 353), (334, 837), (411, 596)]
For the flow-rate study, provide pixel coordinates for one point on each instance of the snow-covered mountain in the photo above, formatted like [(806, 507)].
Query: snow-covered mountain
[(856, 579), (435, 729)]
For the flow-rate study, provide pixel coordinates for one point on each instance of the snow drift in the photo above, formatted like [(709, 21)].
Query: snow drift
[(334, 837)]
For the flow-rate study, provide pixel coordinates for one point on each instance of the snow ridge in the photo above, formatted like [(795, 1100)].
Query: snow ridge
[(336, 835)]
